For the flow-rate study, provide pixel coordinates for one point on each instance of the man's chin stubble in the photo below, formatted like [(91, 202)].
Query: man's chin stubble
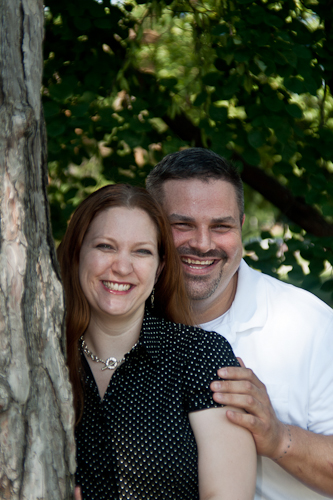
[(201, 293)]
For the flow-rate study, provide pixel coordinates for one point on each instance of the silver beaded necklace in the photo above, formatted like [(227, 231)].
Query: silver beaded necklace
[(110, 363)]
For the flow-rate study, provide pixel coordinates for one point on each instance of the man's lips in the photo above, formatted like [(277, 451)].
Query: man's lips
[(116, 287), (197, 264)]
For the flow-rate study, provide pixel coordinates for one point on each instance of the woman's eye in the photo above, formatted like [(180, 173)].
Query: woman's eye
[(144, 251), (104, 246)]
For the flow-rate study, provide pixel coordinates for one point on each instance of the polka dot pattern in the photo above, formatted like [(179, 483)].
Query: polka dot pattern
[(137, 443)]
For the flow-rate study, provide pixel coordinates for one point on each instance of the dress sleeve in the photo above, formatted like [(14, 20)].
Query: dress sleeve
[(207, 352)]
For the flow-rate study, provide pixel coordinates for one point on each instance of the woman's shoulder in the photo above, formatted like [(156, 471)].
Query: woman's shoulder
[(187, 334)]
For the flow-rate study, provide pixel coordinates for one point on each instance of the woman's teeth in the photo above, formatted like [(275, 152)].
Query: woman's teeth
[(118, 287)]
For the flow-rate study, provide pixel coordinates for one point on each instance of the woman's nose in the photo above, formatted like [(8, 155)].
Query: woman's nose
[(122, 264)]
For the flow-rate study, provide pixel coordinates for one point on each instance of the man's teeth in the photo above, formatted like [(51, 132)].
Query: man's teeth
[(198, 262), (116, 286)]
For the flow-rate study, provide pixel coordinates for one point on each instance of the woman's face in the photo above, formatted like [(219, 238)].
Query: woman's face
[(119, 263)]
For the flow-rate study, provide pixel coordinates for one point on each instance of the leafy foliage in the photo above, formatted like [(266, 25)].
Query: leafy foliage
[(127, 83)]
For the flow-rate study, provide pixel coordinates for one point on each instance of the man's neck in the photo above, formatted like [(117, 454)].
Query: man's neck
[(209, 309)]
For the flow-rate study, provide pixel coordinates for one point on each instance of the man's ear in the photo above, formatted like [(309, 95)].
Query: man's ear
[(243, 220), (159, 270)]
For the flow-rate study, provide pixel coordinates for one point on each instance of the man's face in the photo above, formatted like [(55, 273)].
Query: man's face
[(206, 229)]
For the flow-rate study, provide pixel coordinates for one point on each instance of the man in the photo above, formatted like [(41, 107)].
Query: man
[(284, 335)]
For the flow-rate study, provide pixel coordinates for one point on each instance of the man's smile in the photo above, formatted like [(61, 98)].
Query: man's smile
[(197, 264)]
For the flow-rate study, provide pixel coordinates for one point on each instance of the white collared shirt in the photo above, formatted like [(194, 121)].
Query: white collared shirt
[(285, 335)]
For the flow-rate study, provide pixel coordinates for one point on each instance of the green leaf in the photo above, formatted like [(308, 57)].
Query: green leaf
[(103, 23), (327, 286), (70, 194), (242, 56), (60, 91), (302, 52), (168, 82), (295, 85), (218, 114), (327, 210), (82, 23), (53, 147), (140, 104), (211, 78), (174, 144), (55, 128), (326, 135), (296, 274), (221, 65), (80, 109), (294, 110), (255, 139), (200, 99), (318, 181), (251, 156), (310, 281), (273, 103), (88, 182), (50, 109), (220, 29), (140, 126), (273, 21)]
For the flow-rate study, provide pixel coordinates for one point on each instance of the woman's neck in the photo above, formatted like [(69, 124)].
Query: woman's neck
[(113, 337)]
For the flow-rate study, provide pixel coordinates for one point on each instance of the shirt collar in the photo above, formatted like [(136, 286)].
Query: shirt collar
[(249, 308)]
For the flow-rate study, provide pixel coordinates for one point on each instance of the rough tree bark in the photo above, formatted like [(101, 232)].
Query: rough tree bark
[(37, 457)]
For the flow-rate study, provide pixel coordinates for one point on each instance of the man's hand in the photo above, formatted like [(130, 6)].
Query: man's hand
[(242, 389)]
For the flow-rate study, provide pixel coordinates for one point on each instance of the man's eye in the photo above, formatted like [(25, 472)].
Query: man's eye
[(181, 225)]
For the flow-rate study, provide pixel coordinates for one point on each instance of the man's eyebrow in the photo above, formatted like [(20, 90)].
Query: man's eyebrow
[(186, 218), (223, 220), (180, 218)]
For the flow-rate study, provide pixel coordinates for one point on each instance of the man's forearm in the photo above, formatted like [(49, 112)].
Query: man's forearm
[(309, 458)]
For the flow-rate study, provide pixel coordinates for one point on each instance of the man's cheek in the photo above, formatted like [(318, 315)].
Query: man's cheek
[(178, 238)]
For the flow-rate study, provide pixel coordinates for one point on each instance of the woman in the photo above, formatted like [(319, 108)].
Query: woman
[(139, 430)]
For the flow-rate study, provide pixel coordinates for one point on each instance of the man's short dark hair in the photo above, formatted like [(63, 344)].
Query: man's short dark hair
[(194, 163)]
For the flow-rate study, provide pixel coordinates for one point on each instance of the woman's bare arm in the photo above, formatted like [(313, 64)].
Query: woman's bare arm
[(227, 457)]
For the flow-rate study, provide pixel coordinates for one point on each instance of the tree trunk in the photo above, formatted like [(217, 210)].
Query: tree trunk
[(37, 456)]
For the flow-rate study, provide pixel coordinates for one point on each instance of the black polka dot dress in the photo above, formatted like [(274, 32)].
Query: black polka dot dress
[(137, 442)]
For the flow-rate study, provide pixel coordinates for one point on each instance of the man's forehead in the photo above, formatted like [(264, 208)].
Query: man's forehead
[(197, 188)]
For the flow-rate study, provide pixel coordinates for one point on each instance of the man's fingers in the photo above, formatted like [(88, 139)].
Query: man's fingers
[(245, 420), (234, 386), (236, 373), (242, 401), (241, 362)]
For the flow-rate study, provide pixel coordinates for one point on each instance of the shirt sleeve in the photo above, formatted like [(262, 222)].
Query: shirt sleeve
[(320, 418), (207, 352)]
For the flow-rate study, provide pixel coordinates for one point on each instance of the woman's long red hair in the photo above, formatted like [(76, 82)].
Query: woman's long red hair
[(171, 300)]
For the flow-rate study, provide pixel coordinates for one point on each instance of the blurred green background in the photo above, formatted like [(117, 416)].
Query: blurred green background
[(127, 82)]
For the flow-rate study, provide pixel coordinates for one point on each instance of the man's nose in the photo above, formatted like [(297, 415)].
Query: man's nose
[(202, 240)]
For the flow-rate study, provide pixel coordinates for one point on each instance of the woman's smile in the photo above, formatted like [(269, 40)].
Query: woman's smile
[(117, 287)]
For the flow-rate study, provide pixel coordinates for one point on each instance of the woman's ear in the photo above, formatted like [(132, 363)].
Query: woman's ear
[(159, 270)]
